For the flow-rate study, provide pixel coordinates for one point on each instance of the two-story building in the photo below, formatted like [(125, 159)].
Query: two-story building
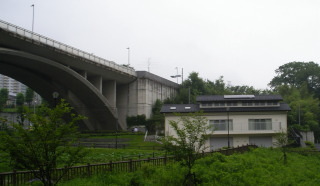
[(236, 119)]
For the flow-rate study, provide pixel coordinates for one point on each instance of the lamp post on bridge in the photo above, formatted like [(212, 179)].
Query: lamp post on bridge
[(177, 75), (32, 17), (128, 56)]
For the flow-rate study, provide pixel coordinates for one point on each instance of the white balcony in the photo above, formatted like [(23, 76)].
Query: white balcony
[(243, 128)]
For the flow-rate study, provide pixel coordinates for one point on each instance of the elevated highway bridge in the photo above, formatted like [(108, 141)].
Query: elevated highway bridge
[(102, 90)]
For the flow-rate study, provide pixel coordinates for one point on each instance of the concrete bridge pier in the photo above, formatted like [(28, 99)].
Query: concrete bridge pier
[(109, 90)]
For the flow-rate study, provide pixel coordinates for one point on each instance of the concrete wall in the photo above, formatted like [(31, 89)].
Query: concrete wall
[(146, 90), (307, 136)]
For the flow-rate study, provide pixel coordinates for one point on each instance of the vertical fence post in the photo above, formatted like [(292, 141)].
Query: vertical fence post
[(14, 177), (130, 166), (110, 166), (165, 160), (88, 169), (2, 178)]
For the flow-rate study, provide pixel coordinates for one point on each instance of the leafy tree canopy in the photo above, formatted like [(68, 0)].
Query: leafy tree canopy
[(4, 94), (49, 143), (195, 86), (187, 141), (20, 99), (29, 95), (298, 74), (305, 110)]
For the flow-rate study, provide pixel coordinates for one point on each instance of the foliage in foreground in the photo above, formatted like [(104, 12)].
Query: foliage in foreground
[(48, 143), (258, 167), (188, 141)]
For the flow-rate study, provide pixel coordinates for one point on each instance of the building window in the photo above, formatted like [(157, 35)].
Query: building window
[(219, 104), (259, 103), (221, 125), (260, 124), (249, 103), (272, 103), (232, 103)]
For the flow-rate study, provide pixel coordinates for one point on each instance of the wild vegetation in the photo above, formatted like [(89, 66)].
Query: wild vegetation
[(48, 143), (258, 167), (188, 142)]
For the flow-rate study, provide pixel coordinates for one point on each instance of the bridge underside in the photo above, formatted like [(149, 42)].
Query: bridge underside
[(46, 76)]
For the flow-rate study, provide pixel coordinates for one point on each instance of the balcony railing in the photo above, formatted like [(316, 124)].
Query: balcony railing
[(243, 128), (66, 48)]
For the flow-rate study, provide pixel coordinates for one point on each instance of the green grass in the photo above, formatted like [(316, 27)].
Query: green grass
[(135, 141), (135, 150), (258, 167), (9, 110), (104, 155)]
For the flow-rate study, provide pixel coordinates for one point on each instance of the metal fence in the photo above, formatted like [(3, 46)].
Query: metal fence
[(22, 177), (21, 32)]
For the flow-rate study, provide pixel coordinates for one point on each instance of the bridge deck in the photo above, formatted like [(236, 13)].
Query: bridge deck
[(21, 32)]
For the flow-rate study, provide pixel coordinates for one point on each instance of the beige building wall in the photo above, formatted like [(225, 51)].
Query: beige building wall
[(240, 133)]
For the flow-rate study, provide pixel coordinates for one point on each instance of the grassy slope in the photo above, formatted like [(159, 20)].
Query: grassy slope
[(258, 167), (105, 155)]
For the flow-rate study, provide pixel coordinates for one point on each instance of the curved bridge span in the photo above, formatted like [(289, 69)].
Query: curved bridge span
[(102, 90)]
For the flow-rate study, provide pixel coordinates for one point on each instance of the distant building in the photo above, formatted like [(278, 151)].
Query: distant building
[(12, 85), (236, 119)]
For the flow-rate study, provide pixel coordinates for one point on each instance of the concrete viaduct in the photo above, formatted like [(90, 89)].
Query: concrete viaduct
[(102, 90)]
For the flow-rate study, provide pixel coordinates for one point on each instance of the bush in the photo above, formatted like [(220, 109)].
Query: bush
[(310, 144)]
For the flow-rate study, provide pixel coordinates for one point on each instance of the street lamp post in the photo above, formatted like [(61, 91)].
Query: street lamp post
[(32, 17), (34, 106), (177, 75), (55, 96), (228, 109), (128, 56)]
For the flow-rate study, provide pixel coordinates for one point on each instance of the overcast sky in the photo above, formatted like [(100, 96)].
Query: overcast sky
[(243, 40)]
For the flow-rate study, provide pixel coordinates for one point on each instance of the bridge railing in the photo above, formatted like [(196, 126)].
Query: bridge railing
[(66, 48)]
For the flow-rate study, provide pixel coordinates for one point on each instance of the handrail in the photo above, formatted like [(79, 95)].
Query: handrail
[(66, 48)]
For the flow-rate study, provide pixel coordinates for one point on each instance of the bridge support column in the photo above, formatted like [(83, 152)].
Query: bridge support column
[(109, 90), (122, 104), (97, 82)]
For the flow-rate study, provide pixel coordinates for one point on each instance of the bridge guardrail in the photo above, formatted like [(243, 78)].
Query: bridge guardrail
[(69, 49)]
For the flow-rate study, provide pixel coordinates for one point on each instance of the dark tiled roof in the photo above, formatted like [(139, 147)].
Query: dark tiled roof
[(207, 98), (282, 107), (180, 108)]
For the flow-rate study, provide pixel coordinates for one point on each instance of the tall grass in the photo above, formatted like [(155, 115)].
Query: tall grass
[(258, 167)]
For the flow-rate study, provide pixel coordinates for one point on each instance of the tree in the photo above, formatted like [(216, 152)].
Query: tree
[(195, 86), (20, 99), (282, 141), (156, 121), (136, 120), (4, 94), (29, 96), (305, 110), (296, 74), (191, 133), (47, 145)]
